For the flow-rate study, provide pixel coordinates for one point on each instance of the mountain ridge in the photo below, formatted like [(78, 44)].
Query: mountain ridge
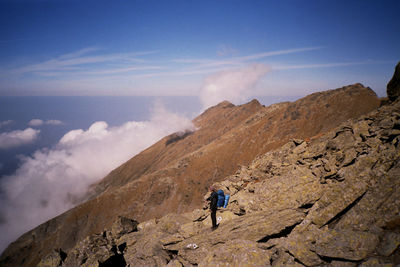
[(333, 200), (173, 176)]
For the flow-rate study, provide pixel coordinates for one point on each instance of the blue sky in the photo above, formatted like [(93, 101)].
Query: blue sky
[(62, 47)]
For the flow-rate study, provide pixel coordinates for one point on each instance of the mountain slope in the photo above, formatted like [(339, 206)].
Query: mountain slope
[(331, 201), (173, 174)]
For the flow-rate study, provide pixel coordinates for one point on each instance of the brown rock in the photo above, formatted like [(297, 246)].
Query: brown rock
[(236, 253), (393, 87), (123, 226), (348, 245)]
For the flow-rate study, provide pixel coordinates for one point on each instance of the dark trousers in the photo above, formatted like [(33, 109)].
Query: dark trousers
[(214, 218)]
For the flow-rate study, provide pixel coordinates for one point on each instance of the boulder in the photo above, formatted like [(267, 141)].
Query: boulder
[(123, 226)]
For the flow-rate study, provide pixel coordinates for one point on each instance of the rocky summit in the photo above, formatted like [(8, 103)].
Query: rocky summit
[(304, 194), (333, 200)]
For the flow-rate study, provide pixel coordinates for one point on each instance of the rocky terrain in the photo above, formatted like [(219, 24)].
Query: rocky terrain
[(333, 200)]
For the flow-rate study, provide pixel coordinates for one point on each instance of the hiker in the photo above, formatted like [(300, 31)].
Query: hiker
[(213, 206)]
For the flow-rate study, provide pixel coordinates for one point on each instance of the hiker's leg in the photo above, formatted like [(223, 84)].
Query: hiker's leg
[(214, 218)]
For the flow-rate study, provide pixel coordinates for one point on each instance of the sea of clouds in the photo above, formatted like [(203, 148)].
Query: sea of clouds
[(50, 181)]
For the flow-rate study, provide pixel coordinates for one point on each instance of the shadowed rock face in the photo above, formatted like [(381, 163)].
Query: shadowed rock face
[(172, 176), (393, 87)]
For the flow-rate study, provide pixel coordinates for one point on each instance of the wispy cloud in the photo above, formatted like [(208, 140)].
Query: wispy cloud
[(93, 71), (327, 65), (39, 122), (84, 62), (233, 62)]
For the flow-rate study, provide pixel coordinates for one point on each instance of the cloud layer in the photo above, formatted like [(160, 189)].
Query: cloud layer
[(18, 138), (49, 182), (39, 122), (234, 85)]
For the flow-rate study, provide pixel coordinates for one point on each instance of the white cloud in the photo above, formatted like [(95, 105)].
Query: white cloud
[(4, 123), (54, 122), (234, 85), (39, 122), (48, 182), (18, 138), (36, 122)]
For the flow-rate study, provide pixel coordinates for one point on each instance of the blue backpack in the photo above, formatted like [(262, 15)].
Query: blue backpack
[(226, 200), (221, 198)]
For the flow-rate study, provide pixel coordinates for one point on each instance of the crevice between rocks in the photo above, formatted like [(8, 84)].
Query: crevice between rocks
[(306, 206), (63, 255), (116, 260), (333, 221), (284, 233), (295, 259), (172, 254), (330, 259)]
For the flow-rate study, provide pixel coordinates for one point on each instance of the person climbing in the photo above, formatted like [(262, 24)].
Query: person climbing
[(213, 206)]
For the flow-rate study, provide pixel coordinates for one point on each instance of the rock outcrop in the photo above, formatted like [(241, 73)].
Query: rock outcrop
[(172, 176), (333, 200), (393, 87)]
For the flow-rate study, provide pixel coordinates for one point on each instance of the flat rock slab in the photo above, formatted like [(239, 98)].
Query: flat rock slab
[(237, 253), (335, 200), (346, 244), (252, 227)]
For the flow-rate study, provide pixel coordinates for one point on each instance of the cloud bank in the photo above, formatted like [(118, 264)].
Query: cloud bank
[(49, 182), (18, 138), (39, 122), (234, 85)]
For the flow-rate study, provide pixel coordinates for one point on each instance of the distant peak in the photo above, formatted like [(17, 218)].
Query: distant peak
[(225, 104), (254, 102)]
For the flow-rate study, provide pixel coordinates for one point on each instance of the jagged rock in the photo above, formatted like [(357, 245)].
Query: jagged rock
[(282, 258), (94, 249), (393, 87), (54, 259), (123, 226), (236, 253)]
